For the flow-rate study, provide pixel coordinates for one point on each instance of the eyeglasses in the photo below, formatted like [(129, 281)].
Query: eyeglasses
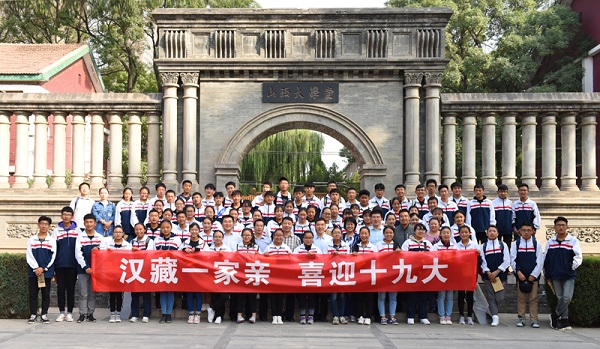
[(562, 225)]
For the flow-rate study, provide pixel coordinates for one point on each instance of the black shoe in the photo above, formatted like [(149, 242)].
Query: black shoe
[(162, 319), (168, 319), (45, 319), (554, 320), (91, 318), (32, 319), (564, 324), (81, 318)]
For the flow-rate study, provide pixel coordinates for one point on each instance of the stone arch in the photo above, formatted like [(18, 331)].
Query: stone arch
[(303, 116)]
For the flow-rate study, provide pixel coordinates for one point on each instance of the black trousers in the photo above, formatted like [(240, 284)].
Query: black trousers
[(115, 301), (246, 301), (66, 279), (33, 295), (218, 301), (462, 297), (289, 306), (276, 303)]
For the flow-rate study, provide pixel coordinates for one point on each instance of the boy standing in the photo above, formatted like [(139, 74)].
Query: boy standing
[(209, 191), (229, 188), (495, 262), (504, 214), (186, 194), (525, 210), (82, 204), (379, 200), (283, 195), (457, 197), (41, 251), (421, 202), (268, 207), (65, 265), (258, 199), (527, 259), (87, 241), (480, 213), (562, 258), (448, 206)]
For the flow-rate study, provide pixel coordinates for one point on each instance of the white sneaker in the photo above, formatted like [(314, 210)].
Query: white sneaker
[(191, 319), (470, 321), (448, 320), (118, 317), (145, 319), (461, 320), (197, 319), (425, 322), (112, 319), (218, 320), (361, 320), (133, 319), (211, 314), (367, 321), (279, 320), (60, 318), (275, 322), (410, 321), (495, 320), (69, 317), (442, 320)]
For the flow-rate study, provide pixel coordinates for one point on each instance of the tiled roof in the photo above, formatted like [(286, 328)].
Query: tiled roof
[(28, 59)]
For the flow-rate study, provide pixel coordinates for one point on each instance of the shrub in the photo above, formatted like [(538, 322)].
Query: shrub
[(14, 299), (584, 309)]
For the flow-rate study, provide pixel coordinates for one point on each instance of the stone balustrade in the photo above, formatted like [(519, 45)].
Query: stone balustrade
[(542, 118), (77, 110)]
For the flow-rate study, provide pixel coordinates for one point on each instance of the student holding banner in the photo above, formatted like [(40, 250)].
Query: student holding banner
[(364, 300), (247, 299), (417, 243), (141, 243), (277, 248), (167, 241), (306, 301)]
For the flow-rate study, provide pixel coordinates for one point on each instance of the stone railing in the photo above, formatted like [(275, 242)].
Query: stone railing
[(76, 110), (529, 112)]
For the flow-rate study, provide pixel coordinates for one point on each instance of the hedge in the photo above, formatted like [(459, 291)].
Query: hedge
[(14, 298), (584, 309)]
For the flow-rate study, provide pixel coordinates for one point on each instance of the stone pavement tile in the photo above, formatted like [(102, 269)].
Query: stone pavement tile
[(18, 334)]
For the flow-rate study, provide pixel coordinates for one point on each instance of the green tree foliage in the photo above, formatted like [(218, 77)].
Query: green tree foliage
[(295, 154), (506, 45)]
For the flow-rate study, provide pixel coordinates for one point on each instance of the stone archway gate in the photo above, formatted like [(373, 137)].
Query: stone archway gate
[(232, 77)]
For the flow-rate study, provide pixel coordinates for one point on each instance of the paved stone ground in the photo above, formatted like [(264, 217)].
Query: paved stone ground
[(19, 334)]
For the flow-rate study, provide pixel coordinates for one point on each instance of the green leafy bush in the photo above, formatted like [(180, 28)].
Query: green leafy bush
[(14, 299), (584, 309)]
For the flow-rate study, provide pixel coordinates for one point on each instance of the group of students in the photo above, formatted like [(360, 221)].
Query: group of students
[(300, 223)]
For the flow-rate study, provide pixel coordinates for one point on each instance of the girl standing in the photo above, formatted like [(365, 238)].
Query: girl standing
[(306, 301), (194, 244), (338, 246), (247, 246), (123, 212), (387, 245), (116, 242), (217, 309), (466, 242), (167, 241), (417, 243), (276, 248), (364, 300), (445, 299)]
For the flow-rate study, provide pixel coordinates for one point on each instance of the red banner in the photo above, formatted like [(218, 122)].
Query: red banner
[(232, 272)]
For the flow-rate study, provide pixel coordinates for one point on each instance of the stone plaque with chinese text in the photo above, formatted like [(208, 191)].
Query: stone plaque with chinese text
[(300, 92)]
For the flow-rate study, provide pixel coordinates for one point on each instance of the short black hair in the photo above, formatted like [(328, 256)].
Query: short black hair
[(456, 185), (89, 216), (502, 187), (364, 192), (45, 218), (379, 186), (561, 219), (160, 185), (67, 209), (218, 194), (186, 181), (210, 186)]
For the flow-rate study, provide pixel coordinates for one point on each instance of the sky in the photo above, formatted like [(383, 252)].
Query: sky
[(332, 146)]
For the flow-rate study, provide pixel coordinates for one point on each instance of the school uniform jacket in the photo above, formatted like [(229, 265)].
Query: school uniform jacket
[(462, 203), (271, 249), (140, 212), (145, 244), (455, 229), (562, 258), (301, 249), (170, 244), (504, 215), (526, 211), (449, 209), (480, 214), (83, 249), (342, 248), (416, 246), (109, 244), (65, 245), (494, 256), (252, 249), (527, 257), (41, 254), (439, 246)]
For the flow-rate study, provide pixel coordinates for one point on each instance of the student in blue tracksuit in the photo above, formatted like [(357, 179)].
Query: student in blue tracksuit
[(562, 258), (86, 242), (527, 260), (65, 264), (494, 265), (480, 213), (504, 215), (141, 242), (167, 241), (41, 252), (123, 212)]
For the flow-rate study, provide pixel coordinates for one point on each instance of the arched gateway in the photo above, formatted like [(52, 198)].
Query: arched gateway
[(369, 78)]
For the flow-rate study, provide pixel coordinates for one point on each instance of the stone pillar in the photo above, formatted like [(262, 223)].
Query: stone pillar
[(432, 125), (370, 174), (135, 150), (153, 174), (40, 164), (528, 125), (226, 173), (469, 176), (509, 150), (78, 149), (449, 151), (59, 151), (568, 175), (4, 148), (115, 156), (588, 151), (488, 149), (21, 149), (412, 84), (97, 151), (190, 110), (549, 152), (170, 129)]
